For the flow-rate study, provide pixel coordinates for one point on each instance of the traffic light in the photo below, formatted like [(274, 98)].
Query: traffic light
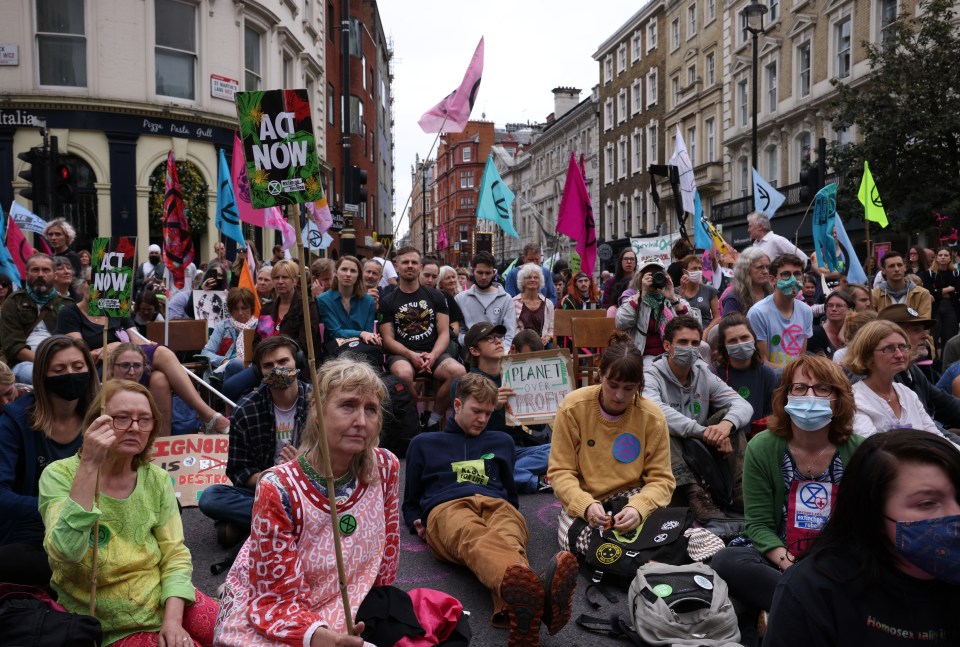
[(357, 192), (65, 182), (809, 184), (36, 175)]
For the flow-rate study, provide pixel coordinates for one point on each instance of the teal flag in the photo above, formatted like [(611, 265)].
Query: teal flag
[(496, 199), (701, 238), (228, 220), (824, 213)]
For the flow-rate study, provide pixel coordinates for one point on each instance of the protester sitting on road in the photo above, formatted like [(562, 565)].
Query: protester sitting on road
[(531, 255), (461, 499), (860, 295), (884, 569), (651, 304), (109, 492), (146, 309), (526, 341), (265, 430), (751, 282), (625, 269), (781, 322), (321, 276), (805, 449), (167, 372), (853, 322), (29, 316), (225, 347), (36, 430), (63, 277), (690, 396), (346, 310), (699, 295), (738, 363), (828, 337), (372, 271), (595, 423), (283, 585), (265, 286), (9, 389), (533, 310), (6, 288), (582, 294), (487, 301)]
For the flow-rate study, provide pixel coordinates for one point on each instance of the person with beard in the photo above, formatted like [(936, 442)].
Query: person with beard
[(39, 428), (582, 294), (149, 274), (29, 316), (486, 300)]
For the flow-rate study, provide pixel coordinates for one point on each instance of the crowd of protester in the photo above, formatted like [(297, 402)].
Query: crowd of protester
[(781, 376)]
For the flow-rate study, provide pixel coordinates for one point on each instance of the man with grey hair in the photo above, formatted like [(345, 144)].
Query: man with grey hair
[(758, 227), (389, 275)]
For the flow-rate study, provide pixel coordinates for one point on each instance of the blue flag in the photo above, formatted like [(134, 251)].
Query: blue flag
[(7, 266), (228, 221), (766, 199), (855, 273), (824, 215), (701, 237), (496, 198)]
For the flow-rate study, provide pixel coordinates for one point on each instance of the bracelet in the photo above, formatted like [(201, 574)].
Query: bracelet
[(674, 303)]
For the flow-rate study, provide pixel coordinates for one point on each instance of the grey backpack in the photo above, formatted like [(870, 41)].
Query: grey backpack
[(682, 605)]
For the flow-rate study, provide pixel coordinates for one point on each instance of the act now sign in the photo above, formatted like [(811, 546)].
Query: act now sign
[(111, 287)]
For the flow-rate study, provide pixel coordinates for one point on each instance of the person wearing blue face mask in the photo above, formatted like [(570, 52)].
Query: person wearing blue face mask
[(790, 475), (783, 324), (886, 568)]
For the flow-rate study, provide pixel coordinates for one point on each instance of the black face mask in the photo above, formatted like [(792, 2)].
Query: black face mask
[(154, 259), (69, 386)]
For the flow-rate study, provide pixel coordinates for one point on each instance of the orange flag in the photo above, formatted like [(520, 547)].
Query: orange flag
[(247, 280)]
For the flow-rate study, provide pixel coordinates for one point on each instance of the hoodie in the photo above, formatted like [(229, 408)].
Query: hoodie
[(495, 307), (451, 465), (915, 297), (687, 408)]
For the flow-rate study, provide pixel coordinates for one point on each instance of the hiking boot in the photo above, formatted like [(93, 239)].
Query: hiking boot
[(543, 484), (559, 582), (522, 591), (702, 505)]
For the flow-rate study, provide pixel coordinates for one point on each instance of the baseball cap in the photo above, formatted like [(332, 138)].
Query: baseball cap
[(480, 330), (901, 313), (653, 264)]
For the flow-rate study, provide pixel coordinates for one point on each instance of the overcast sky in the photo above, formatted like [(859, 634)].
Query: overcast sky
[(530, 47)]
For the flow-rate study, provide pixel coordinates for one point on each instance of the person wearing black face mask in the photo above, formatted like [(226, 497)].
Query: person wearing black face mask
[(39, 428), (150, 273)]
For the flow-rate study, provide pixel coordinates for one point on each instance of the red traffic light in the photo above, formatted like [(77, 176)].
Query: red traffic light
[(64, 173)]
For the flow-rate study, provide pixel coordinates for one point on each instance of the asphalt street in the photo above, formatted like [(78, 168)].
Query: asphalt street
[(418, 568)]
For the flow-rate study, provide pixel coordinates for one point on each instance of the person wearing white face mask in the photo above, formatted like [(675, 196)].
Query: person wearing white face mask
[(790, 476), (681, 384), (739, 364), (701, 296)]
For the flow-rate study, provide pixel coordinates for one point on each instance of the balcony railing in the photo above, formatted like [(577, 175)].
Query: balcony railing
[(740, 207)]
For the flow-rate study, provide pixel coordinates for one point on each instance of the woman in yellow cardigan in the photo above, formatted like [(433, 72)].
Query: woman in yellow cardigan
[(608, 440)]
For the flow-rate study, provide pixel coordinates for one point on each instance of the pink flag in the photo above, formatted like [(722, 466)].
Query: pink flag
[(575, 217), (442, 242), (241, 186), (320, 214), (452, 114), (273, 218)]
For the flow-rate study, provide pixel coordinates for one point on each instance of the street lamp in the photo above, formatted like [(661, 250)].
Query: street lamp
[(753, 14)]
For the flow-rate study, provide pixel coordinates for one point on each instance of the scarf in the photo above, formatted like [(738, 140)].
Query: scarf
[(658, 310), (39, 300), (238, 349)]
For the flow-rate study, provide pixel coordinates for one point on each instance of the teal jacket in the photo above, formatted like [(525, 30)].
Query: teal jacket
[(763, 492)]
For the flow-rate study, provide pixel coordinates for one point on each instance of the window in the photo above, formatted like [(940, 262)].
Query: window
[(466, 202), (622, 148), (635, 47), (842, 34), (773, 165), (176, 49), (803, 68), (622, 106), (608, 115), (252, 80), (356, 38), (692, 144), (287, 70), (652, 35), (467, 154), (843, 136), (745, 186), (357, 125), (675, 85), (61, 43), (804, 150), (464, 233), (652, 87), (888, 14), (637, 152), (607, 69), (675, 34), (612, 218), (638, 210), (637, 102), (622, 58), (652, 143), (711, 10), (608, 164), (711, 128), (711, 69), (771, 74), (466, 179), (744, 32), (691, 74), (742, 100), (691, 20), (331, 104), (774, 10)]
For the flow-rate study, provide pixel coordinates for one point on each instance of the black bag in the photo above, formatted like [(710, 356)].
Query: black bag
[(29, 618), (711, 471), (354, 347), (400, 421), (613, 558)]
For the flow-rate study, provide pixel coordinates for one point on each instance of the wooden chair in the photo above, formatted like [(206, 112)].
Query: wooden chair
[(187, 337), (248, 337), (593, 333), (563, 324)]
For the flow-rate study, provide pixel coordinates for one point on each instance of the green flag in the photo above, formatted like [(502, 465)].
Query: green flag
[(870, 198)]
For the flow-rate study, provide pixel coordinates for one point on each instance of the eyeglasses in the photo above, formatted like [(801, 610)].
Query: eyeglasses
[(627, 259), (890, 350), (786, 275), (819, 390), (126, 367), (492, 339), (123, 423)]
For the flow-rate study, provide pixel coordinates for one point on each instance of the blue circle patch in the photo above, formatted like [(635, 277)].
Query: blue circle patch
[(626, 448)]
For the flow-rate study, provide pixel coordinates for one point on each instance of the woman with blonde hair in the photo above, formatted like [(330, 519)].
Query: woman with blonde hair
[(282, 586), (9, 391)]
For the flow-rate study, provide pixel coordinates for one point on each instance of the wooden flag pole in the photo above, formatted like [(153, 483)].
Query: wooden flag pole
[(866, 228), (324, 447), (96, 497)]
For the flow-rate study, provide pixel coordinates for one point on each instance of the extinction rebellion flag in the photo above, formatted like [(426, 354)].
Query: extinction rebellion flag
[(279, 151)]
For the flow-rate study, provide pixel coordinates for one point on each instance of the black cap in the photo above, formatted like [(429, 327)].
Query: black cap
[(480, 330)]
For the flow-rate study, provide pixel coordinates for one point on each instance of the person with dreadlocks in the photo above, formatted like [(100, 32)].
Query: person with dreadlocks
[(645, 313)]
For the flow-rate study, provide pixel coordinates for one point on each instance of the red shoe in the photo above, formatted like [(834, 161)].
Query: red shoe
[(522, 591), (559, 583)]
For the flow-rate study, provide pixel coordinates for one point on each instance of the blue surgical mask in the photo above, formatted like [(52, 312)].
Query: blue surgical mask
[(809, 413), (789, 287), (932, 545)]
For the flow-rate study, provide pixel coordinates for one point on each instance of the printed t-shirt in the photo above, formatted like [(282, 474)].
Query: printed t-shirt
[(414, 316)]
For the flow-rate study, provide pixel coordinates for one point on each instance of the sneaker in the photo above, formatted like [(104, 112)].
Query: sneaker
[(522, 591), (543, 484), (559, 583), (702, 505)]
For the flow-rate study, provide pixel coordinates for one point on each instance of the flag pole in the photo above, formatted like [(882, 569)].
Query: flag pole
[(869, 256), (416, 179), (324, 447)]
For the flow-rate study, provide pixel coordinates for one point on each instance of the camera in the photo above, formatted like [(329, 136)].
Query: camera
[(659, 280)]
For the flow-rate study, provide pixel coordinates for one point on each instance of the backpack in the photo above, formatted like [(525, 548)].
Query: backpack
[(30, 618), (711, 471), (400, 421)]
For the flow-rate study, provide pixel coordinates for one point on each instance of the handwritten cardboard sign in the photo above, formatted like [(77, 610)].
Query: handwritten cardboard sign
[(210, 306), (540, 380), (111, 289), (194, 463)]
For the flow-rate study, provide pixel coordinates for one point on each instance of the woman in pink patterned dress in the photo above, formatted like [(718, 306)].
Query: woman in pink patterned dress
[(283, 586)]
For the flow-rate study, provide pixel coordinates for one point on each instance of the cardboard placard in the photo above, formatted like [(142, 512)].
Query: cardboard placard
[(111, 287), (278, 147), (540, 380), (194, 463), (210, 306)]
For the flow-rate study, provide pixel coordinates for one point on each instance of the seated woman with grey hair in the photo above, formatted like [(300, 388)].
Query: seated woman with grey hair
[(534, 311)]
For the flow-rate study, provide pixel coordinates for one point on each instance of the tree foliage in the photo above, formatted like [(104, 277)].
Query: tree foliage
[(194, 192), (907, 113)]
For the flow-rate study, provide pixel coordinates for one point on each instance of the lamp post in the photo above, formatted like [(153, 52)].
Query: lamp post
[(753, 13)]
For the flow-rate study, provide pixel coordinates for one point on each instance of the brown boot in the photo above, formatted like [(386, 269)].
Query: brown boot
[(702, 505)]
